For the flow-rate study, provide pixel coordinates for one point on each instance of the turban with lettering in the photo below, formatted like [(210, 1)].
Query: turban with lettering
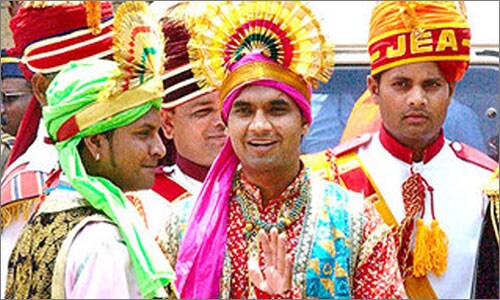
[(403, 32)]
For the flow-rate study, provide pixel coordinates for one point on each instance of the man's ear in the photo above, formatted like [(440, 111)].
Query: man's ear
[(167, 123), (94, 144), (451, 90), (40, 83), (305, 126), (373, 85), (452, 85)]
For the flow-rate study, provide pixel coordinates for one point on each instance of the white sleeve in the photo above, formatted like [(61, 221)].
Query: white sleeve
[(98, 265)]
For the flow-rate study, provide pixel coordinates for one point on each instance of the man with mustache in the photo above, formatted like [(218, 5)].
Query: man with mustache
[(44, 51), (16, 94), (427, 186), (86, 240)]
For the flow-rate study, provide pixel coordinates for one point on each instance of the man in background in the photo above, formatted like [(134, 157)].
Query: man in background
[(16, 94), (193, 130), (45, 50)]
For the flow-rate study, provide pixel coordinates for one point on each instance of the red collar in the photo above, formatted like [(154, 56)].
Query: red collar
[(191, 169), (406, 154)]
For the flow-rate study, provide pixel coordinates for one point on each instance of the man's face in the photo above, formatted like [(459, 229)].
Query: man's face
[(413, 101), (130, 156), (197, 129), (266, 126), (16, 95)]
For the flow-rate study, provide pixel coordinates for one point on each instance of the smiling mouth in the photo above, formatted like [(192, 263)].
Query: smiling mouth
[(262, 144)]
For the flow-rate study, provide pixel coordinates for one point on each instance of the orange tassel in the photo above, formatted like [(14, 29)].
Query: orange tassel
[(93, 9), (439, 249), (421, 258)]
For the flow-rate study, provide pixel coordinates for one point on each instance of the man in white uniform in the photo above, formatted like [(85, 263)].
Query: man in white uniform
[(430, 187)]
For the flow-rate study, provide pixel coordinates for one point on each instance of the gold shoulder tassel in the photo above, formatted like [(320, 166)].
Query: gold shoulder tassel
[(491, 190)]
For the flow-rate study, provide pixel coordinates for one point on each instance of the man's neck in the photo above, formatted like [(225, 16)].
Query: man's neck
[(191, 168), (272, 183)]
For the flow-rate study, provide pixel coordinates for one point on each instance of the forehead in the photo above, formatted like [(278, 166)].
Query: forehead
[(15, 84), (420, 70), (151, 119), (209, 98), (261, 95)]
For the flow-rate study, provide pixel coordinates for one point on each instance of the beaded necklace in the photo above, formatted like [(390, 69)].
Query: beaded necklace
[(297, 195), (251, 214)]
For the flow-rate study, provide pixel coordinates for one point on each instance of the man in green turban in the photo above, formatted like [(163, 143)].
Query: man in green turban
[(86, 239)]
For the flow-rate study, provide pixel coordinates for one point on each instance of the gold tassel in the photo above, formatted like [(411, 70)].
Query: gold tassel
[(7, 216), (421, 258), (439, 249), (93, 9), (491, 191), (13, 211)]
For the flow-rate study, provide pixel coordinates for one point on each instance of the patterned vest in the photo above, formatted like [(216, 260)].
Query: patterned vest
[(31, 265), (37, 263)]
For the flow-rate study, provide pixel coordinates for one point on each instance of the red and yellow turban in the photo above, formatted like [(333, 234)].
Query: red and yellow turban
[(48, 34), (403, 32)]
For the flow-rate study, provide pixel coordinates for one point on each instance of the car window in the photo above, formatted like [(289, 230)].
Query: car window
[(472, 117), (331, 106)]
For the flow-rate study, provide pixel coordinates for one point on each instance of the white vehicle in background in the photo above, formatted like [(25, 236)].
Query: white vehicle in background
[(473, 115)]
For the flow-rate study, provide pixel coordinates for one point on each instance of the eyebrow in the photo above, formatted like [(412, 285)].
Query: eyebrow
[(147, 126), (399, 77), (279, 101), (240, 103), (434, 79), (204, 103), (409, 79)]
